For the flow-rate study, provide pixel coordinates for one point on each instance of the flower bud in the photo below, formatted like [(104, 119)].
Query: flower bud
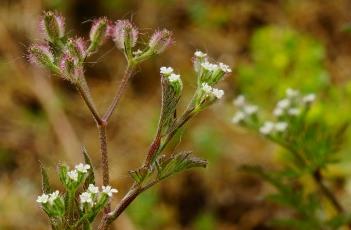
[(199, 57), (70, 68), (160, 41), (53, 26), (41, 55), (98, 33), (77, 48), (125, 35)]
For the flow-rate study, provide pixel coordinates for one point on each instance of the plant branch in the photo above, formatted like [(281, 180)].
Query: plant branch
[(119, 92), (318, 178)]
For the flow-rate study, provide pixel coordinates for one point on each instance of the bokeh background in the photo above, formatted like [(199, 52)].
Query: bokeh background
[(270, 44)]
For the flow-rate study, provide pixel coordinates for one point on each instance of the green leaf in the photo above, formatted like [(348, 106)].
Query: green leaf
[(168, 166), (46, 188), (63, 169), (91, 176), (139, 175)]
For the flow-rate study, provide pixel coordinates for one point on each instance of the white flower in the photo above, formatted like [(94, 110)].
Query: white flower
[(250, 109), (309, 98), (85, 197), (239, 101), (290, 93), (278, 112), (284, 103), (225, 68), (174, 77), (206, 88), (209, 66), (166, 70), (238, 117), (43, 199), (53, 196), (93, 189), (109, 190), (267, 128), (281, 126), (73, 175), (138, 52), (294, 111), (218, 93), (83, 168), (200, 54)]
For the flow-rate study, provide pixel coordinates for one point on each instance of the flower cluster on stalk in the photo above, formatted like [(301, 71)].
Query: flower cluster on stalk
[(286, 112)]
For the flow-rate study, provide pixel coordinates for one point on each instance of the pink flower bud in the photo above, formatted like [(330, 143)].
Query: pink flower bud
[(77, 47), (53, 26), (98, 33), (70, 68), (41, 55), (125, 35), (161, 40)]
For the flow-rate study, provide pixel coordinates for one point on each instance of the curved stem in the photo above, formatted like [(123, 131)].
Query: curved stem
[(119, 92)]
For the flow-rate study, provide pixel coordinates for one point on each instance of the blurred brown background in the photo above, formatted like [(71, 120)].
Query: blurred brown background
[(43, 118)]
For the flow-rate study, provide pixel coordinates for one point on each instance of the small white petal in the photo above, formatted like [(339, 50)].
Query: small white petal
[(278, 112), (174, 77), (209, 66), (281, 126), (200, 54), (207, 88), (166, 70), (294, 111), (85, 197), (291, 93), (53, 196), (238, 117), (218, 93), (73, 175), (225, 68), (83, 168), (240, 101), (309, 98), (250, 109), (109, 190), (267, 128), (93, 189), (43, 199), (284, 103)]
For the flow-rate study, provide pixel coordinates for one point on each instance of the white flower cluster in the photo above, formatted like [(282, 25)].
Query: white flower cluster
[(90, 196), (80, 168), (202, 60), (291, 104), (269, 127), (246, 110), (48, 198), (169, 72), (218, 93)]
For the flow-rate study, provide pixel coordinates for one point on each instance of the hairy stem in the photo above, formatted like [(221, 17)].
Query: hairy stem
[(104, 161), (119, 92)]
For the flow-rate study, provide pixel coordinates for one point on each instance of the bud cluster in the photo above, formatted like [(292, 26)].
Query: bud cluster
[(287, 111), (52, 203)]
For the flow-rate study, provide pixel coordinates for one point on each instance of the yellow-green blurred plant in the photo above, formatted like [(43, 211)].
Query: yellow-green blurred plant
[(311, 146), (65, 56)]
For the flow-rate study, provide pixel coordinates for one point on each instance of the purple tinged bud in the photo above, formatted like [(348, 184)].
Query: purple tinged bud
[(77, 47), (161, 40), (53, 26), (69, 67), (41, 55), (125, 35), (98, 33)]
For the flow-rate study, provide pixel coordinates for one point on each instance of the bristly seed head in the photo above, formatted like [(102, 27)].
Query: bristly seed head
[(161, 40), (53, 26), (40, 55), (77, 48), (124, 34), (98, 33)]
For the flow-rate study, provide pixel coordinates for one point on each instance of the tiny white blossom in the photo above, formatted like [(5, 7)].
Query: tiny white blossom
[(109, 190), (207, 88), (239, 101), (43, 199), (85, 197), (278, 112), (73, 175), (267, 128), (53, 196), (238, 117), (225, 68), (83, 168), (284, 103), (309, 98), (93, 189), (281, 126), (218, 93), (290, 93), (200, 54), (138, 52), (209, 66), (250, 109), (174, 77), (294, 111), (166, 70)]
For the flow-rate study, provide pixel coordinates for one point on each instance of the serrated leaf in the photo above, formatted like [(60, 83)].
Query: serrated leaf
[(45, 184), (91, 176), (177, 163), (139, 175)]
